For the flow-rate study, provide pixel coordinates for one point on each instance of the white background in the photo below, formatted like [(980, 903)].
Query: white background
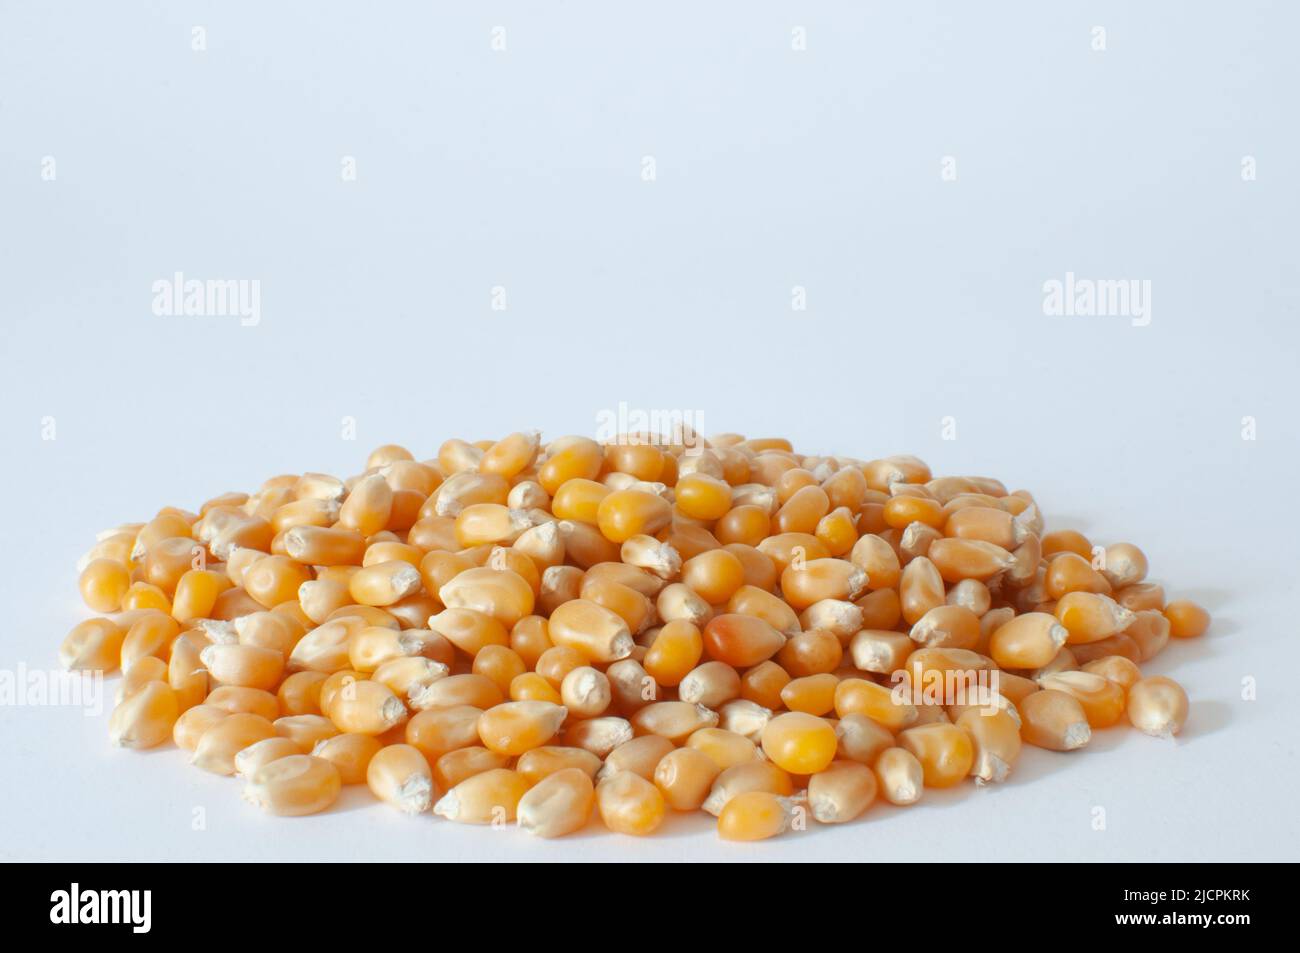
[(775, 168)]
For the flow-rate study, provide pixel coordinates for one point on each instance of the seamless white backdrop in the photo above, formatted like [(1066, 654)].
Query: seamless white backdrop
[(776, 168)]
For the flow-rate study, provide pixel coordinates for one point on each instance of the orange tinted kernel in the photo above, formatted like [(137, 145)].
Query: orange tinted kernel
[(714, 575), (703, 497), (763, 684), (1067, 541), (1186, 619), (799, 742)]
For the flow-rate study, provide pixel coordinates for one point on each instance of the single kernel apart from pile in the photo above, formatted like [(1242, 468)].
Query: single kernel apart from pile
[(543, 634)]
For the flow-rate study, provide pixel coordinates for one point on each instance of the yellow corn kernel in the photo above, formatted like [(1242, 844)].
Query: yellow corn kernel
[(454, 767), (679, 602), (741, 641), (799, 743), (1054, 720), (714, 575), (196, 594), (532, 687), (146, 718), (511, 728), (674, 720), (559, 804), (193, 722), (236, 699), (685, 777), (586, 692), (1187, 620), (703, 497), (674, 652), (995, 736), (1141, 595), (152, 633), (744, 717), (542, 762), (840, 618), (1150, 630), (920, 589), (1118, 669), (217, 747), (469, 630), (454, 690), (755, 815), (510, 455), (103, 584), (813, 694), (861, 738), (745, 523), (570, 458), (300, 693), (1028, 641), (368, 506), (803, 583), (1157, 706), (244, 665), (944, 751), (296, 785), (958, 559), (491, 797), (439, 730), (306, 731), (859, 696), (366, 707), (947, 626), (350, 753), (1090, 616), (579, 500), (627, 513), (629, 804), (142, 595), (383, 584), (838, 531), (1070, 572), (710, 684), (725, 748), (841, 792), (250, 760), (95, 644), (900, 775), (880, 650), (399, 775), (600, 735), (324, 546), (638, 755), (597, 633), (758, 775), (1102, 700)]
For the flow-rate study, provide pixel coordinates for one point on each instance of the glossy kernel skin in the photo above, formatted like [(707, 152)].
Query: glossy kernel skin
[(799, 743), (296, 785), (629, 804), (1158, 706), (741, 641), (944, 750), (1187, 620), (754, 815)]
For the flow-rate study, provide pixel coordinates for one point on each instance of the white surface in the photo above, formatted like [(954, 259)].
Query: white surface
[(775, 168)]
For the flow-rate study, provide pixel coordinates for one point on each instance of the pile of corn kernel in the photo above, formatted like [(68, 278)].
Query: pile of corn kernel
[(518, 632)]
